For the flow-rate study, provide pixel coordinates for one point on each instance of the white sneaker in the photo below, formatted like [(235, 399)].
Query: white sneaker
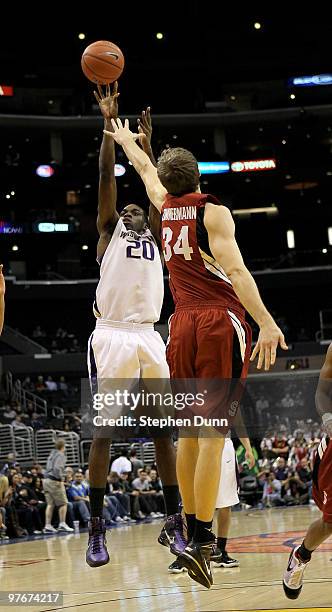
[(126, 519), (160, 515), (64, 527), (49, 529), (293, 576), (141, 515), (119, 519), (37, 532), (153, 515)]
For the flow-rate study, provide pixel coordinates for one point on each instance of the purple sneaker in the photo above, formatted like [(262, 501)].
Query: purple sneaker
[(97, 553), (173, 534)]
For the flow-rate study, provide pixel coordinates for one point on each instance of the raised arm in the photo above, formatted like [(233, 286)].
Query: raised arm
[(107, 214), (140, 160), (145, 129), (324, 392), (2, 298), (221, 231)]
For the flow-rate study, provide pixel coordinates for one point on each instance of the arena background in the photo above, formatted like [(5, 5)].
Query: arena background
[(231, 88)]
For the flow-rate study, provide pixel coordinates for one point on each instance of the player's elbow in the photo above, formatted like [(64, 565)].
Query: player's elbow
[(236, 273)]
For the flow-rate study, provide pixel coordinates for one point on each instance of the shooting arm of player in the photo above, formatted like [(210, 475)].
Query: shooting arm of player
[(145, 129), (140, 160), (107, 194), (221, 231), (2, 298), (324, 392)]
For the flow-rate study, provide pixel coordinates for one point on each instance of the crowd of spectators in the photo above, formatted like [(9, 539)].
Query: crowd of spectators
[(282, 475), (133, 493), (59, 341)]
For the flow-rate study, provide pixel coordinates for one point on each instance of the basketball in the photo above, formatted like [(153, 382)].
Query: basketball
[(102, 62)]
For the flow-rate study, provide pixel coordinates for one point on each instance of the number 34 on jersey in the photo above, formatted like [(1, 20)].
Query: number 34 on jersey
[(181, 246)]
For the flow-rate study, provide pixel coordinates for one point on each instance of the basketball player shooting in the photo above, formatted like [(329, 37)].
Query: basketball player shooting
[(209, 337), (2, 298), (129, 296), (320, 530)]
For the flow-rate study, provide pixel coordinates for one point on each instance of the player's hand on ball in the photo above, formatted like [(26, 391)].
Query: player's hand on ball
[(122, 133), (270, 336), (108, 102), (2, 282)]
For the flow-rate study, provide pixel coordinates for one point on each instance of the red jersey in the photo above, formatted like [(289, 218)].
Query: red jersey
[(194, 274)]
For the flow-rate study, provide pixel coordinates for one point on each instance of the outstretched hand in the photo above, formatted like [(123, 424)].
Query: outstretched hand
[(269, 338), (121, 132), (145, 127), (108, 102)]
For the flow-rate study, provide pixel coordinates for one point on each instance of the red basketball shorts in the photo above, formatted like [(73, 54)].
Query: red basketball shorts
[(209, 342), (322, 479)]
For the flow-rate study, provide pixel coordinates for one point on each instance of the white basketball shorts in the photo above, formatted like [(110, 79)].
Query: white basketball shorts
[(228, 485)]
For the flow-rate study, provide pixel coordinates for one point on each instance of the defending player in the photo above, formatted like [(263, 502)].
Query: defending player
[(209, 337), (321, 529)]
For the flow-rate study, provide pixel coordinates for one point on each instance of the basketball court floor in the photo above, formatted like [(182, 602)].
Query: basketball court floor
[(137, 577)]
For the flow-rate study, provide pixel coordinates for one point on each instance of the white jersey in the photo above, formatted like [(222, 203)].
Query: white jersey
[(131, 285)]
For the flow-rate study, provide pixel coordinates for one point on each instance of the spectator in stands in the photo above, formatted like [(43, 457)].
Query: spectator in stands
[(17, 422), (51, 384), (281, 471), (30, 409), (7, 501), (28, 385), (299, 447), (61, 333), (27, 509), (78, 495), (136, 463), (69, 473), (280, 445), (305, 475), (122, 463), (37, 469), (271, 490), (2, 298), (35, 422), (63, 385), (75, 347), (38, 332), (9, 414), (37, 486), (262, 404), (135, 511), (155, 485), (147, 503), (287, 401), (113, 502), (40, 385), (19, 478), (118, 489), (296, 492), (54, 487)]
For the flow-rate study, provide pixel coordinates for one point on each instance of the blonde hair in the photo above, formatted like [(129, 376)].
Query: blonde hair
[(4, 484)]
